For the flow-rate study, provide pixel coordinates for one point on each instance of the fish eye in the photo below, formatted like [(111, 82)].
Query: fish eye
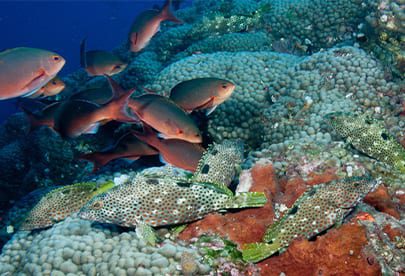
[(224, 86), (56, 58), (97, 205), (117, 67), (54, 82)]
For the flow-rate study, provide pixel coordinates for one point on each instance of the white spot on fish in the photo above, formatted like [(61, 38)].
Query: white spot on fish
[(158, 200), (317, 207), (181, 200)]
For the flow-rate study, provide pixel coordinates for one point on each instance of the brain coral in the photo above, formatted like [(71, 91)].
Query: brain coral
[(74, 247), (281, 96)]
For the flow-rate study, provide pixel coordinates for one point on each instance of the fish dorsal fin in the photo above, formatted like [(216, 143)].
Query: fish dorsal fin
[(220, 188), (83, 61)]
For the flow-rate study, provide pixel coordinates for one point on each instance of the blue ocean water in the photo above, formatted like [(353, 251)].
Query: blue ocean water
[(61, 25)]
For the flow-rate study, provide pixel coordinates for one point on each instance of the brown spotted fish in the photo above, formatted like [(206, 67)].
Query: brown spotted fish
[(159, 201), (318, 209), (370, 137), (62, 202), (220, 163), (23, 70)]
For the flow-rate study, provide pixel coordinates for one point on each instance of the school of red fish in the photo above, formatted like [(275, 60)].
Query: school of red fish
[(168, 129)]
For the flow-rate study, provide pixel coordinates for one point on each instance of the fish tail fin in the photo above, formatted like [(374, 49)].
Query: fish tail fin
[(33, 120), (83, 62), (167, 14), (97, 159), (255, 252), (248, 199), (148, 135), (117, 109)]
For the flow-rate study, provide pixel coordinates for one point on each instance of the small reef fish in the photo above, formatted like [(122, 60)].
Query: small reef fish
[(163, 201), (220, 163), (128, 147), (23, 71), (46, 117), (147, 24), (318, 209), (166, 117), (76, 117), (62, 202), (201, 93), (97, 62), (179, 153), (370, 137), (52, 88), (99, 95)]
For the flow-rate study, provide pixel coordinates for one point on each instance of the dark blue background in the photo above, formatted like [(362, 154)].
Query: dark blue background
[(61, 25)]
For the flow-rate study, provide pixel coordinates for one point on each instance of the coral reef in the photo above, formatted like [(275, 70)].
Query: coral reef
[(293, 62), (338, 251), (74, 246), (386, 28), (280, 97)]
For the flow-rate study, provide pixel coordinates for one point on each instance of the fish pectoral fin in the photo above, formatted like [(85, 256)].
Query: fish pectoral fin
[(255, 252), (210, 110), (134, 38), (162, 160), (92, 129), (35, 84), (162, 136), (146, 233), (176, 230), (248, 199), (208, 104)]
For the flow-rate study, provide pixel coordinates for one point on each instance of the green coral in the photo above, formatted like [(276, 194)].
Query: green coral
[(221, 24)]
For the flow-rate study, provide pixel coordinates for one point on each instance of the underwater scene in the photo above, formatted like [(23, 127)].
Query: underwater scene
[(202, 137)]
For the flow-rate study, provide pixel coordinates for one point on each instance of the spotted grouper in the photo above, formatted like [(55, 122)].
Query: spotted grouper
[(315, 211), (220, 163), (163, 201), (370, 137), (62, 202)]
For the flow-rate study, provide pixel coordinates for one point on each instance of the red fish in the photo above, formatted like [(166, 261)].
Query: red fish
[(23, 71), (166, 117), (201, 93), (147, 24), (97, 62), (76, 117), (176, 152), (99, 95), (128, 147), (46, 117)]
